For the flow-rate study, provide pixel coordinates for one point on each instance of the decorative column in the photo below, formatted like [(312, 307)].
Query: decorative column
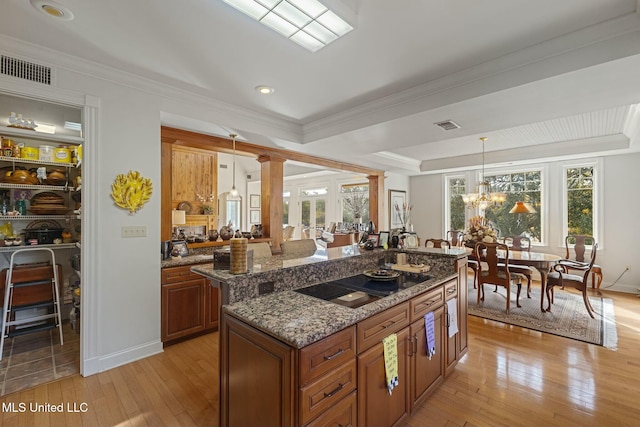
[(272, 185), (376, 200)]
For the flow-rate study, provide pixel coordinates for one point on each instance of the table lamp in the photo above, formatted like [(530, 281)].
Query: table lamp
[(178, 217)]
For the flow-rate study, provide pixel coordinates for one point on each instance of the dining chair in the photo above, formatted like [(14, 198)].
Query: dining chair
[(456, 237), (560, 277), (520, 243), (437, 243), (580, 243), (496, 274)]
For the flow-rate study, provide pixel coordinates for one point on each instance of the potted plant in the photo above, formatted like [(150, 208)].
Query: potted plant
[(207, 204)]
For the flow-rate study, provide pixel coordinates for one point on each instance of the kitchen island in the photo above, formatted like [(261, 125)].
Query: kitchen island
[(289, 359)]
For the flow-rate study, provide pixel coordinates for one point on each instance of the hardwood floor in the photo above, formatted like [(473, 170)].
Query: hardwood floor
[(511, 376)]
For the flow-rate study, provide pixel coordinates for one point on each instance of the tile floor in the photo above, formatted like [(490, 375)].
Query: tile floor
[(38, 358)]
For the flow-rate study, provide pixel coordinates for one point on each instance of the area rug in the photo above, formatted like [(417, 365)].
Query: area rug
[(568, 317)]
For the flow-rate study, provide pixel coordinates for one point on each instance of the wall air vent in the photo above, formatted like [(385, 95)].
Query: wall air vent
[(448, 125), (25, 70)]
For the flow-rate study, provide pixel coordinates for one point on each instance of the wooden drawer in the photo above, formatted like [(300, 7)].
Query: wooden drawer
[(322, 394), (179, 274), (425, 303), (325, 355), (371, 331), (343, 413), (451, 289)]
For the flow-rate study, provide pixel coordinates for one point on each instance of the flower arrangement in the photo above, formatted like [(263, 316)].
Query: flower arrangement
[(207, 205), (479, 230), (404, 213)]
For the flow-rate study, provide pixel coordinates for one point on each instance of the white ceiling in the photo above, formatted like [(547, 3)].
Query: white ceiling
[(541, 79)]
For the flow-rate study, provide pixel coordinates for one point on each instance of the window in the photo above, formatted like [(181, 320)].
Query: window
[(456, 187), (285, 207), (524, 186), (355, 202), (312, 210), (580, 201)]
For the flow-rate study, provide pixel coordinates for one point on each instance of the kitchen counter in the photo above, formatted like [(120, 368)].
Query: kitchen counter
[(281, 274), (264, 297), (187, 260), (300, 320)]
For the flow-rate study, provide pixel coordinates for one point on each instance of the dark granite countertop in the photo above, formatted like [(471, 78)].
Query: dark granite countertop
[(300, 320), (187, 260)]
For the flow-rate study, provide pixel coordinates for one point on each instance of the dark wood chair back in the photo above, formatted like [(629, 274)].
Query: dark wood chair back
[(517, 243), (580, 243), (493, 274), (492, 270), (561, 277), (437, 243)]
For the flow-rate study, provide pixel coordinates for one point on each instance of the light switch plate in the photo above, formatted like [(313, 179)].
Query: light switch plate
[(134, 231)]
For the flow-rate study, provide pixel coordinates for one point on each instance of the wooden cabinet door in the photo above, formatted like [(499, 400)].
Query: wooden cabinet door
[(193, 171), (213, 306), (427, 373), (375, 406), (257, 377), (183, 309)]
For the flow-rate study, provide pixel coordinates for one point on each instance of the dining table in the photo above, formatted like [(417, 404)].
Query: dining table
[(539, 260)]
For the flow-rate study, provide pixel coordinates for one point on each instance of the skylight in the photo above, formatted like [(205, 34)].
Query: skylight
[(307, 22)]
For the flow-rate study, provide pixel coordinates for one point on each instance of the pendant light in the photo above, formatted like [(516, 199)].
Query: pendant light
[(233, 194)]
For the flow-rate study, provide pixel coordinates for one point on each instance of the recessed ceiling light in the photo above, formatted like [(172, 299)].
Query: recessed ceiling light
[(265, 90), (53, 9)]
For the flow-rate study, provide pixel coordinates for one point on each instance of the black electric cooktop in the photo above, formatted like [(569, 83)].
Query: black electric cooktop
[(355, 291)]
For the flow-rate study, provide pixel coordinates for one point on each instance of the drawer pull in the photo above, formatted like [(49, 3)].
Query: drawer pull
[(334, 355), (340, 386), (388, 325), (429, 303)]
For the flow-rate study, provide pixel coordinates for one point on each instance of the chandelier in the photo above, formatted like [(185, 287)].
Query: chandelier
[(483, 197)]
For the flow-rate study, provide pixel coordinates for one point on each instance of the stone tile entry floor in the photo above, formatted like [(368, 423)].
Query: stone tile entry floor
[(37, 358)]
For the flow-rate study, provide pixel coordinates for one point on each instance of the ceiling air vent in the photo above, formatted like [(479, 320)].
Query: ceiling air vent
[(448, 125), (25, 70)]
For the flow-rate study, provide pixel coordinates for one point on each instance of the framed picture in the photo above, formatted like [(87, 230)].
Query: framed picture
[(255, 217), (254, 201), (396, 197), (181, 247), (384, 238), (375, 238)]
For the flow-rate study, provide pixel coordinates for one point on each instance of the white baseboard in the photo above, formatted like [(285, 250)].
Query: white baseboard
[(620, 287), (113, 360)]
